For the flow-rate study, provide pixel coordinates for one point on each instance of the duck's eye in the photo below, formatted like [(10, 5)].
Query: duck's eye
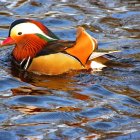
[(19, 33)]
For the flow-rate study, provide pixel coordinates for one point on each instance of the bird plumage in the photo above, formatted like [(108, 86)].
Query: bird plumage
[(39, 50)]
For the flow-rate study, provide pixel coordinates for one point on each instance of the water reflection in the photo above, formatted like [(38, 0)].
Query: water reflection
[(77, 105)]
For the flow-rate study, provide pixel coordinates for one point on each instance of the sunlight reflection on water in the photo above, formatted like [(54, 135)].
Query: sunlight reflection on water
[(79, 105)]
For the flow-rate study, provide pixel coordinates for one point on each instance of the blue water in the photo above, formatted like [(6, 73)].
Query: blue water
[(80, 105)]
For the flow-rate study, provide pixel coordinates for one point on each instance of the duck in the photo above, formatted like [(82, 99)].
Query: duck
[(38, 50)]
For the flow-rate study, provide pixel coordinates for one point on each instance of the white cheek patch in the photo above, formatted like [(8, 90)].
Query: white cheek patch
[(28, 28)]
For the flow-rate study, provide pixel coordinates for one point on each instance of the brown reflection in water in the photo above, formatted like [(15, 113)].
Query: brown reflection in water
[(47, 85), (5, 13), (20, 2), (21, 91), (111, 135), (31, 90), (124, 90), (133, 33), (111, 21), (64, 82), (35, 3), (92, 137), (28, 110), (80, 96), (57, 83), (83, 121)]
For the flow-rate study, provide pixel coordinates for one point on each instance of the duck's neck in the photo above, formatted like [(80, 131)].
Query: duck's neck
[(28, 48)]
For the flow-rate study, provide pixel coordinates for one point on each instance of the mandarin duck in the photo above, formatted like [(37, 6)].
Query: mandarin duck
[(39, 50)]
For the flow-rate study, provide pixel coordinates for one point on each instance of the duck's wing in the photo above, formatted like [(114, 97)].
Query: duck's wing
[(55, 47), (84, 46), (81, 49), (97, 60), (100, 53)]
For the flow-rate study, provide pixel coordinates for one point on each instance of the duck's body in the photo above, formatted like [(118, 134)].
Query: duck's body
[(39, 50)]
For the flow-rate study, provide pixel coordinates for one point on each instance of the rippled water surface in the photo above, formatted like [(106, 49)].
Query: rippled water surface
[(83, 105)]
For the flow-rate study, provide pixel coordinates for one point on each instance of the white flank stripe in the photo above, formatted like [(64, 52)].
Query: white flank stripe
[(26, 65)]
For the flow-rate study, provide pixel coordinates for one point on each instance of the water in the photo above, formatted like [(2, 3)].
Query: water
[(83, 105)]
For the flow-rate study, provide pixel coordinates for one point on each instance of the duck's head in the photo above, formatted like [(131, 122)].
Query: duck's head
[(29, 37)]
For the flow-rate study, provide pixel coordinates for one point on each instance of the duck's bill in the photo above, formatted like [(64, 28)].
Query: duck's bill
[(7, 41)]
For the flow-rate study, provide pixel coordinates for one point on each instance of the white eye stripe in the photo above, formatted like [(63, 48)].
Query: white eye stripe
[(28, 28), (49, 37)]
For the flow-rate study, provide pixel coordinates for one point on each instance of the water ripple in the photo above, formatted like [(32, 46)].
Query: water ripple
[(78, 105)]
